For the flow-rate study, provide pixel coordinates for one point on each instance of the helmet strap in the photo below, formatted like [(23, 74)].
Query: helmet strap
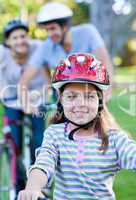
[(84, 126)]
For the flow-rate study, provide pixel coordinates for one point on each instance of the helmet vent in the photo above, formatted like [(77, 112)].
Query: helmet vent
[(80, 59)]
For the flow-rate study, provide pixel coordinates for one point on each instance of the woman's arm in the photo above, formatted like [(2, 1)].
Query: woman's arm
[(22, 88), (23, 85), (37, 179)]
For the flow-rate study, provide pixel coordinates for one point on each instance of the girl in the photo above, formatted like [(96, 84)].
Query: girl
[(81, 150)]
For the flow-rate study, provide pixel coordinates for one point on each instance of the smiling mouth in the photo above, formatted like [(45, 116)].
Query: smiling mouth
[(80, 113)]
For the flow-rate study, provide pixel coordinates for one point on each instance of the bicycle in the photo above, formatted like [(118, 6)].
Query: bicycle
[(6, 184), (8, 153)]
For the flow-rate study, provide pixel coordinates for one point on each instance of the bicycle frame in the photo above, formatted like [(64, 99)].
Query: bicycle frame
[(7, 184), (12, 148)]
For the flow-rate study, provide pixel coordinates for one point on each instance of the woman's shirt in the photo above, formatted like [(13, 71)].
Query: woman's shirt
[(81, 170)]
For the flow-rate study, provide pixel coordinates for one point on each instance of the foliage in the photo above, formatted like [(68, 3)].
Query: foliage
[(128, 53)]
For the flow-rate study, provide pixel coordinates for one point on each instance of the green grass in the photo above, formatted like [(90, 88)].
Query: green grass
[(119, 106), (125, 184), (124, 74), (4, 176)]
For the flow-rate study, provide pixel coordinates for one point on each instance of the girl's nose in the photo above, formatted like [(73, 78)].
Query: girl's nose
[(80, 100)]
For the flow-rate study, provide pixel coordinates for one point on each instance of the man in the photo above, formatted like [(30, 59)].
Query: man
[(63, 39)]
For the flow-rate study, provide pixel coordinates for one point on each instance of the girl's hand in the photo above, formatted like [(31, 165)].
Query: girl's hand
[(28, 194)]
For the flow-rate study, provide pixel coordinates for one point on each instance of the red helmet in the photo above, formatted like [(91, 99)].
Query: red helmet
[(82, 68)]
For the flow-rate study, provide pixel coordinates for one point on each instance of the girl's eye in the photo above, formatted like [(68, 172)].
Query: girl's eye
[(90, 96), (70, 97), (15, 38)]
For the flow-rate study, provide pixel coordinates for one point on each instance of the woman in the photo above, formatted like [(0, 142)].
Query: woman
[(15, 55)]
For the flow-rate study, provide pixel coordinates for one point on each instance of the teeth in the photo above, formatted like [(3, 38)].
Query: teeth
[(78, 114), (80, 111)]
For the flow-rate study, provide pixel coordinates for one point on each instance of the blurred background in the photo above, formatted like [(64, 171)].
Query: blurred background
[(116, 21)]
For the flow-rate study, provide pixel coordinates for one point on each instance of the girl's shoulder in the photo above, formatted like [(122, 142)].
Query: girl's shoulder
[(55, 129), (118, 134), (55, 132), (57, 126)]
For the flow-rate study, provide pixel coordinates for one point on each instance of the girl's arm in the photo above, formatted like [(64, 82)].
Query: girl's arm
[(23, 85), (126, 151), (22, 89), (37, 179)]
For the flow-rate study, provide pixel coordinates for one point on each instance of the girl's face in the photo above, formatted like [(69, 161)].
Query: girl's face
[(80, 102), (18, 41)]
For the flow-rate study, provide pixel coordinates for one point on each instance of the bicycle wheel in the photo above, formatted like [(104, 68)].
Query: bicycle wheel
[(7, 191)]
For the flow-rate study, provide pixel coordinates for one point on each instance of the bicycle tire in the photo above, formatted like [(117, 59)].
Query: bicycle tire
[(7, 191)]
